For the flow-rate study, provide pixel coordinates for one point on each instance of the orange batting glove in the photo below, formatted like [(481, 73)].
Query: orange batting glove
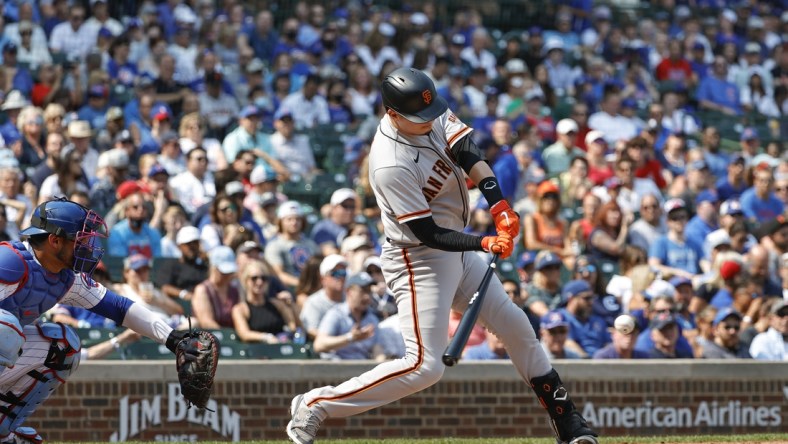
[(501, 245), (506, 219)]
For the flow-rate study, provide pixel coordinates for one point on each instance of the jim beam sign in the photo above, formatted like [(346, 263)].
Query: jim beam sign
[(135, 418)]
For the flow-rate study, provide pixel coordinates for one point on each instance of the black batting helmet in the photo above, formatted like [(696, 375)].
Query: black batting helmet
[(412, 95)]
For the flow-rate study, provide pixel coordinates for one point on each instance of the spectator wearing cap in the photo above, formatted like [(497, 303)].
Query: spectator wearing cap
[(706, 216), (138, 287), (95, 110), (266, 312), (177, 279), (664, 334), (674, 253), (114, 125), (732, 276), (772, 344), (342, 211), (293, 149), (307, 107), (544, 291), (216, 106), (20, 77), (215, 297), (113, 168), (79, 134), (599, 169), (554, 333), (716, 93), (72, 38), (733, 183), (749, 142), (545, 229), (168, 90), (194, 187), (646, 165), (349, 329), (726, 344), (586, 330), (289, 250), (12, 106), (559, 155), (333, 273), (759, 202), (263, 199), (133, 235), (609, 121), (650, 225), (623, 335), (716, 242), (249, 137)]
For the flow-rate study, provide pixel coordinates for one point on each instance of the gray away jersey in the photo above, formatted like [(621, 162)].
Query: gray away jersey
[(415, 177)]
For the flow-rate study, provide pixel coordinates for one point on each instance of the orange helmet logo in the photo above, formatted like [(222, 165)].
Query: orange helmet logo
[(427, 96)]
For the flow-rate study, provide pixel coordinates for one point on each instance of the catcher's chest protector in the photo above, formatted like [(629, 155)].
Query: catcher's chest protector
[(40, 289)]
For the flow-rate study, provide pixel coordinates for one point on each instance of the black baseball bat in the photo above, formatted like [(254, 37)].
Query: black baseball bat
[(457, 342)]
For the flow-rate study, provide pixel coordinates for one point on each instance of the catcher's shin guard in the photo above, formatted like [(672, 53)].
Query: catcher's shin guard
[(35, 386), (568, 424)]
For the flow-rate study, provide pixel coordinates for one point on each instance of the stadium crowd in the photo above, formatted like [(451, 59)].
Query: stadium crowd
[(642, 147)]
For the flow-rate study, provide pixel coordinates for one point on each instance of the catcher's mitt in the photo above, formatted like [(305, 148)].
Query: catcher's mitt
[(196, 358)]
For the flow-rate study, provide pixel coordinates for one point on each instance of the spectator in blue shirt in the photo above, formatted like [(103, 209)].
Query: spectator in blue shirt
[(133, 235), (733, 184), (706, 215), (261, 36), (491, 348), (554, 331), (95, 111), (328, 232), (674, 253), (22, 80), (623, 345), (664, 333), (585, 329), (504, 164), (759, 202), (120, 69), (715, 93)]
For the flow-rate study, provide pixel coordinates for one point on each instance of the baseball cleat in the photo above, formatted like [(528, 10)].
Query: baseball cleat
[(586, 439), (22, 435), (304, 424)]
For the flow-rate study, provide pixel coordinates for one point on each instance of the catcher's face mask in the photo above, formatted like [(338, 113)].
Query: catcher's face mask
[(87, 243)]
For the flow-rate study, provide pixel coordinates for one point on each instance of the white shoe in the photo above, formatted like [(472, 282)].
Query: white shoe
[(587, 439), (304, 423), (23, 435)]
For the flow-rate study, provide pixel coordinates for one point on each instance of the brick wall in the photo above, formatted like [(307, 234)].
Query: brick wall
[(487, 399)]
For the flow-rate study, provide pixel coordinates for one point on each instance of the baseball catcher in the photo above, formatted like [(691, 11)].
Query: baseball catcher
[(54, 265)]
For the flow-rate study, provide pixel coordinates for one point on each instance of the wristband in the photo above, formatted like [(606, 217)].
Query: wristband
[(747, 319), (349, 336), (115, 344), (183, 293), (490, 190)]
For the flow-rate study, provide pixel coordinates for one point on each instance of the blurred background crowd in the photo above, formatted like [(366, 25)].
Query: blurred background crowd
[(225, 143)]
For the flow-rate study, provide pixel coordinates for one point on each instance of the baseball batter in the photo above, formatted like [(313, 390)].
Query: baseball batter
[(418, 161), (54, 265)]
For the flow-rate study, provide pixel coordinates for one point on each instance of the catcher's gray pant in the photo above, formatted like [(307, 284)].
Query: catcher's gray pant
[(427, 284), (49, 356)]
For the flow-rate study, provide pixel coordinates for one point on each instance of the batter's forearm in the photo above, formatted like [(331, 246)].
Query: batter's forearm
[(430, 234)]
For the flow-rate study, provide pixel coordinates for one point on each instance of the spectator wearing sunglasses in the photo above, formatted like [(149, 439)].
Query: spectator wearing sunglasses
[(772, 344), (662, 296), (333, 272), (267, 311), (726, 343)]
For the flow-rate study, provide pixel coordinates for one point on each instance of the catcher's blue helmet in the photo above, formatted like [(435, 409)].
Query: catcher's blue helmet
[(72, 221)]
